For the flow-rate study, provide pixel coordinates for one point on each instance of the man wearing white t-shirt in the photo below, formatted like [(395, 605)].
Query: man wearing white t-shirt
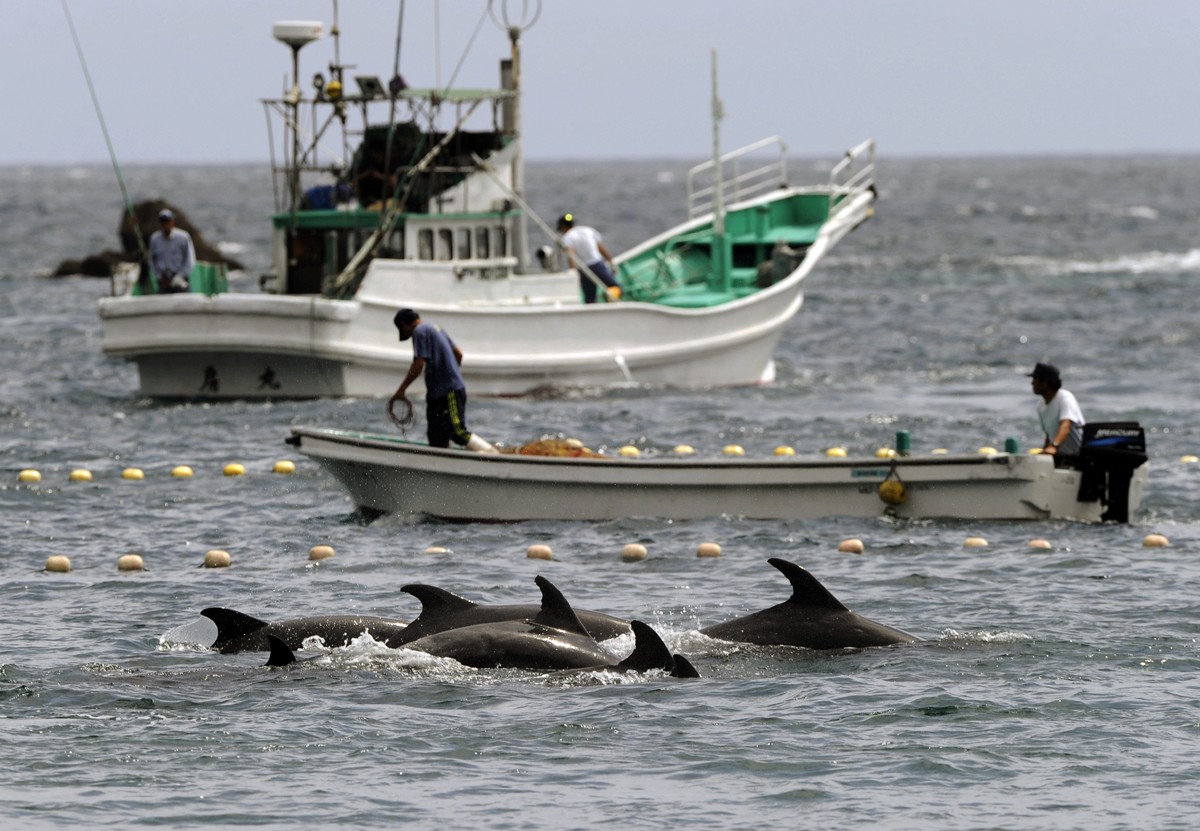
[(1062, 420), (584, 248)]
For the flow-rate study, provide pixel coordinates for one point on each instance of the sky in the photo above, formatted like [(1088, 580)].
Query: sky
[(180, 81)]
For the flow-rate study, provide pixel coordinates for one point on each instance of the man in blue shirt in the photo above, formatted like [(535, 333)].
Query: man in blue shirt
[(171, 254), (435, 355)]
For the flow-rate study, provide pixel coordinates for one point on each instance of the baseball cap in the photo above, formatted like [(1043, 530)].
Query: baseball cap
[(1045, 372)]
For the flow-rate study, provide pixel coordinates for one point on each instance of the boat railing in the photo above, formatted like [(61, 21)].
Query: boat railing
[(855, 172), (736, 183)]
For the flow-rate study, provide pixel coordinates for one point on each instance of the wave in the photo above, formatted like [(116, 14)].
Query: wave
[(1152, 262)]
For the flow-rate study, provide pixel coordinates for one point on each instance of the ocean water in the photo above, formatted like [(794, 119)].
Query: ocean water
[(1053, 689)]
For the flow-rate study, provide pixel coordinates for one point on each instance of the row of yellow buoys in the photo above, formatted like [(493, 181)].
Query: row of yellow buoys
[(630, 451), (32, 476), (218, 558), (856, 546), (214, 558), (632, 552)]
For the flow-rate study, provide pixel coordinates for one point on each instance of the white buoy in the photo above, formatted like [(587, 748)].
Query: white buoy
[(939, 451), (708, 549), (217, 558), (836, 452), (733, 450), (629, 451), (1155, 541), (320, 552), (437, 549), (975, 542), (784, 450), (284, 466), (683, 450), (539, 552), (58, 563), (1042, 545), (181, 472), (851, 546), (574, 444), (133, 474), (885, 453), (130, 562), (80, 475), (1189, 459), (29, 476), (234, 469), (988, 451), (632, 552)]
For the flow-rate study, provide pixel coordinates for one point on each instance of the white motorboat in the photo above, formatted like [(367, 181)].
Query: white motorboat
[(384, 474), (703, 303)]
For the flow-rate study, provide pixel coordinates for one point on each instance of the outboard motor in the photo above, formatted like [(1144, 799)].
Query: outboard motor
[(1111, 452)]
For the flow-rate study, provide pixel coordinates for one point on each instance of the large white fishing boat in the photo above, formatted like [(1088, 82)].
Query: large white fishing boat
[(419, 208), (388, 475)]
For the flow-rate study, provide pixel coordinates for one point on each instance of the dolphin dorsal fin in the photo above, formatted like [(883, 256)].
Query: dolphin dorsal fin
[(556, 611), (281, 654), (649, 651), (231, 625), (806, 589), (683, 668), (435, 602)]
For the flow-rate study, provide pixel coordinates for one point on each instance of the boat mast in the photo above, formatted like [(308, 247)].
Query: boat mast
[(717, 115), (721, 255), (296, 34), (514, 28)]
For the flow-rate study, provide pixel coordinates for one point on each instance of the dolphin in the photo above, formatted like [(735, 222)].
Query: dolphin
[(554, 639), (442, 610), (811, 617), (238, 632)]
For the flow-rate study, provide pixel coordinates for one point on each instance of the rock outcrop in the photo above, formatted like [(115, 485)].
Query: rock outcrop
[(146, 217)]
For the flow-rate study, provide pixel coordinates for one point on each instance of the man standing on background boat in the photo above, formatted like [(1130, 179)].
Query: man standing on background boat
[(1062, 420), (172, 255), (435, 355), (584, 248)]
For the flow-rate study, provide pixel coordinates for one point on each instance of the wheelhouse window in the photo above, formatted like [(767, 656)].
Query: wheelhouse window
[(464, 244), (483, 243)]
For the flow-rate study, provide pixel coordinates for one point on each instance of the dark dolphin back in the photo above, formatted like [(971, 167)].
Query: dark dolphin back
[(236, 631), (812, 617), (806, 589), (556, 611), (440, 610)]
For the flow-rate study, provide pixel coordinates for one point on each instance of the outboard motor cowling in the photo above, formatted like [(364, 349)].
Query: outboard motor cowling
[(1111, 452)]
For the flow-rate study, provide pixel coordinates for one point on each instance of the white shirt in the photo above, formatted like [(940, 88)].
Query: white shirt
[(584, 243), (1062, 406)]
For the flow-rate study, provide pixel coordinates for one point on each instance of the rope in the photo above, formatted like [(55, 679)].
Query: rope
[(137, 231)]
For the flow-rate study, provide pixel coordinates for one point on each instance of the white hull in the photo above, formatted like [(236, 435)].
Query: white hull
[(255, 346), (518, 334), (386, 475)]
